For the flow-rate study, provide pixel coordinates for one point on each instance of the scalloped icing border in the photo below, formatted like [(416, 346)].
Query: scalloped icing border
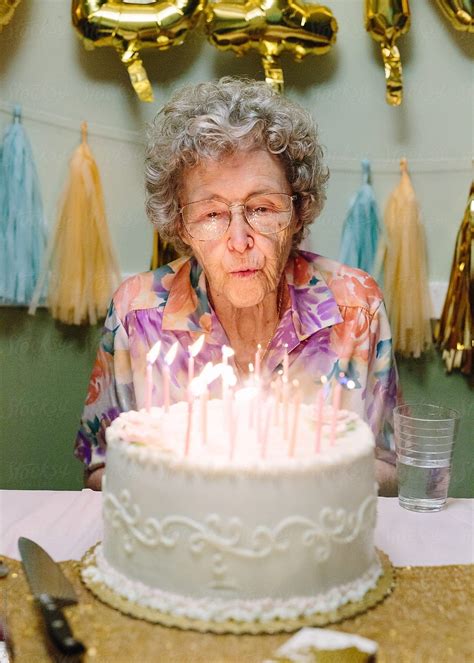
[(384, 586)]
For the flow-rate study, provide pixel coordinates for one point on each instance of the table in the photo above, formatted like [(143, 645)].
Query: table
[(426, 619)]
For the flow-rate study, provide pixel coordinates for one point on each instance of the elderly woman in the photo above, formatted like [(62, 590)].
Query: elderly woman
[(234, 176)]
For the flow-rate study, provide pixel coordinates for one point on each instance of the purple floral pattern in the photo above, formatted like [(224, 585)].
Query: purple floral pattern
[(336, 320)]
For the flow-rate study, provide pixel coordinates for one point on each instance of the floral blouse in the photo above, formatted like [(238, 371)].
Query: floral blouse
[(336, 321)]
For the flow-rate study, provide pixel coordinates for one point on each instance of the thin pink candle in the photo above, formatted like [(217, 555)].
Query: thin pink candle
[(232, 429), (285, 362), (320, 396), (169, 359), (194, 350), (286, 403), (204, 400), (187, 443), (258, 360), (266, 429), (296, 415), (151, 357), (336, 405), (149, 386)]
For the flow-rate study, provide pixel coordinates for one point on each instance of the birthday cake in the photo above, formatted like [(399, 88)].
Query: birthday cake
[(249, 514)]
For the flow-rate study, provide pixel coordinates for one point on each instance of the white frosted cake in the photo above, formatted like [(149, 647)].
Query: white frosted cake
[(224, 526)]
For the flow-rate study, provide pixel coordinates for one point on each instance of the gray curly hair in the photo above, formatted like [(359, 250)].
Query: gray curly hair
[(209, 120)]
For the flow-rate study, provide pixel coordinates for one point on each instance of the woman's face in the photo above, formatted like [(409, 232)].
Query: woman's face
[(242, 265)]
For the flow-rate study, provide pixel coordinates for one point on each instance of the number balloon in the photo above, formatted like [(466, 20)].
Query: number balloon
[(7, 9), (460, 13), (271, 27), (132, 26), (386, 20)]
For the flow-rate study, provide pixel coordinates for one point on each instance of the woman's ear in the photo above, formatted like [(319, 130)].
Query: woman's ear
[(298, 223)]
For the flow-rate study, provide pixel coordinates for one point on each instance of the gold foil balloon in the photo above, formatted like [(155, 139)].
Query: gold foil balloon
[(132, 26), (7, 9), (460, 13), (271, 27), (386, 20)]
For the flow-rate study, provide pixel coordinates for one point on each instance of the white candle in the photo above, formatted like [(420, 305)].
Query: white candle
[(151, 357)]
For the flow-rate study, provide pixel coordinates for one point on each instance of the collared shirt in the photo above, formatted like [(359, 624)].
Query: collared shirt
[(336, 322)]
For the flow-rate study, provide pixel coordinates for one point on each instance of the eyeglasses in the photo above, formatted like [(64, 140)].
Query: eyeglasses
[(266, 213)]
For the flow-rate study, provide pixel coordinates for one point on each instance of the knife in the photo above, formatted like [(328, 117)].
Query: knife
[(52, 591)]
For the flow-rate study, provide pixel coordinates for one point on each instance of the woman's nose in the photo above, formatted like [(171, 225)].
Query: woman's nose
[(240, 234)]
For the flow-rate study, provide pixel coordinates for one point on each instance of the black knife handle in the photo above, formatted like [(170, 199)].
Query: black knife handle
[(58, 627)]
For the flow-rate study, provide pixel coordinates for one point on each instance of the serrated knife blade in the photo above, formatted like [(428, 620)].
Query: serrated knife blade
[(52, 591)]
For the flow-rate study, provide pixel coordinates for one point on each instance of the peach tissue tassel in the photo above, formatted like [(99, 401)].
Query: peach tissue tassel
[(405, 276), (83, 270)]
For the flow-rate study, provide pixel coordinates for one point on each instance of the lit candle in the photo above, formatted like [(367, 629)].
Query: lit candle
[(296, 414), (199, 389), (226, 353), (187, 442), (336, 404), (169, 359), (277, 392), (232, 429), (258, 361), (252, 402), (285, 362), (266, 429), (151, 357), (286, 403), (320, 397), (193, 350)]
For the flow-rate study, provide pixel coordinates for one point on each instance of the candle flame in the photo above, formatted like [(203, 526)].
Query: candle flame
[(198, 386), (152, 355), (227, 351), (228, 375), (207, 373), (196, 347), (171, 354)]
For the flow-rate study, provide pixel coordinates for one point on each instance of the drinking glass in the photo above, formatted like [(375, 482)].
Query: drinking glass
[(424, 439)]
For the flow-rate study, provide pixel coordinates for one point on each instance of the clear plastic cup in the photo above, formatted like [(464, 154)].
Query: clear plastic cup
[(424, 439)]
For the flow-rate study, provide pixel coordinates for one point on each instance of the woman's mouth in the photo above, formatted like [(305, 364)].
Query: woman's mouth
[(244, 273)]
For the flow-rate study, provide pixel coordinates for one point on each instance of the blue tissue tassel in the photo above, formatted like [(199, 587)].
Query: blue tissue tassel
[(360, 233), (22, 222)]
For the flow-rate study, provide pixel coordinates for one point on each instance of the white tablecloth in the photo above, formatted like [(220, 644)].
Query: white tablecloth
[(67, 523)]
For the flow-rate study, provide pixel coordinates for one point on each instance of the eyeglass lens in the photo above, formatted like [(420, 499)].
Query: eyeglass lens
[(266, 213)]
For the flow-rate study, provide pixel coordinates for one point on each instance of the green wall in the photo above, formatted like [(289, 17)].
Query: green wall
[(44, 372)]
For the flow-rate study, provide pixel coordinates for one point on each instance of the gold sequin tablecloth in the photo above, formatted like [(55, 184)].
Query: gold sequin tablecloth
[(429, 618)]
